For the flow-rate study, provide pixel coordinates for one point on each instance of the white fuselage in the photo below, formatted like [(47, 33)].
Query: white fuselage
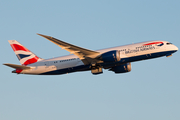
[(128, 53)]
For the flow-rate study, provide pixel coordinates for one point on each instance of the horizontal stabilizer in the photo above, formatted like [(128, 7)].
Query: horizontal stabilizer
[(17, 66)]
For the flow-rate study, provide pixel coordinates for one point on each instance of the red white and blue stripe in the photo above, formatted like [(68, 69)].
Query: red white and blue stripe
[(25, 56), (155, 43)]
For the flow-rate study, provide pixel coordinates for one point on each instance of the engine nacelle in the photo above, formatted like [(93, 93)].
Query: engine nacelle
[(111, 56), (122, 68)]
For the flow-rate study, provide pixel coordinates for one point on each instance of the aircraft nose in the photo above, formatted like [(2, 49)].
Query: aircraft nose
[(176, 48)]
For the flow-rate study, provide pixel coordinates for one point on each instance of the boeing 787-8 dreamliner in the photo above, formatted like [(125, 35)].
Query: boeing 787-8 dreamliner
[(116, 59)]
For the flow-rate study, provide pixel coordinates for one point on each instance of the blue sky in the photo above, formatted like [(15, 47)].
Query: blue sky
[(149, 91)]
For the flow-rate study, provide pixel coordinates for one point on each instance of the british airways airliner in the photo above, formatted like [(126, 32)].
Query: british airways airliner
[(116, 59)]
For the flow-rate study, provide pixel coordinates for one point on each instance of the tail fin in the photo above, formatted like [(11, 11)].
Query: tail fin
[(25, 56)]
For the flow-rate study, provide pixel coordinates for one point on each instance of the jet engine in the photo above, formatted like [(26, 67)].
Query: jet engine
[(122, 68), (111, 56)]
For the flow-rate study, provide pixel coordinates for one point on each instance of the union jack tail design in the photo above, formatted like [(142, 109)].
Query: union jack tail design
[(25, 56)]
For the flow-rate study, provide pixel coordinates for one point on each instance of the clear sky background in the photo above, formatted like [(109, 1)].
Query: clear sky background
[(149, 92)]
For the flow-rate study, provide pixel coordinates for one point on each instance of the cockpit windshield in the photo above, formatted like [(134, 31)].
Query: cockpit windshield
[(169, 43)]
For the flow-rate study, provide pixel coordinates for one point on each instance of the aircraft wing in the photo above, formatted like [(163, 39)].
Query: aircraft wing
[(82, 53)]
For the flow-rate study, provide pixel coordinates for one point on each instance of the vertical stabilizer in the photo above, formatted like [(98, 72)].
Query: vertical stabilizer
[(25, 56)]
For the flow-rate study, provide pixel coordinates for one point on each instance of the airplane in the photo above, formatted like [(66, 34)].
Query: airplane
[(115, 59)]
